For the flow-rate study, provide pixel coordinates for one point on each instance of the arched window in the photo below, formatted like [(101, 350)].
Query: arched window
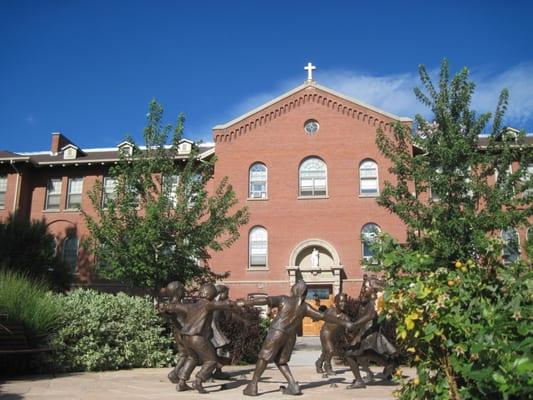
[(70, 252), (258, 181), (369, 235), (368, 178), (313, 177), (511, 245), (258, 247)]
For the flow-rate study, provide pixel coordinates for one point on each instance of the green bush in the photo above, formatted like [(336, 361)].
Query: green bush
[(101, 331), (28, 302)]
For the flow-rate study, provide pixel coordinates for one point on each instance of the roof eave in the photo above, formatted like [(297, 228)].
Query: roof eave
[(301, 87)]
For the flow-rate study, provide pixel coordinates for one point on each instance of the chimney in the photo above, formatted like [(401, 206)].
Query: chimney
[(58, 142)]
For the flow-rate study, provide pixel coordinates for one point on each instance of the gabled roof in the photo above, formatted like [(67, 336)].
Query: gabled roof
[(302, 87)]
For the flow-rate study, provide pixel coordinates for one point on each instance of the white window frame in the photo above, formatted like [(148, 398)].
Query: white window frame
[(366, 177), (56, 193), (364, 242), (507, 173), (258, 178), (314, 176), (3, 191), (71, 205), (107, 194), (527, 177), (513, 258), (261, 248), (170, 186)]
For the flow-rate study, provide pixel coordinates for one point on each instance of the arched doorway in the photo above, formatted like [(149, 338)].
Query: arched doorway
[(318, 264)]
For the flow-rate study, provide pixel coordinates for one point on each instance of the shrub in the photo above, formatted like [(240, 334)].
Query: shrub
[(28, 302), (102, 331), (246, 338), (461, 301)]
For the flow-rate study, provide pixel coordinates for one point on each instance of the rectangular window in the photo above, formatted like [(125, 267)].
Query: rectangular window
[(258, 253), (108, 190), (528, 178), (170, 186), (53, 194), (75, 189), (369, 185), (3, 190)]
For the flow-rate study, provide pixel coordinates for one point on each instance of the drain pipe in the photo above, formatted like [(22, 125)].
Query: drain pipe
[(16, 198)]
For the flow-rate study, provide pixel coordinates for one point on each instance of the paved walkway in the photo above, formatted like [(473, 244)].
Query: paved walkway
[(147, 384), (152, 384)]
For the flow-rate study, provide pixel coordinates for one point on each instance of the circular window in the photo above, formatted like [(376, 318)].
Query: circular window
[(311, 126)]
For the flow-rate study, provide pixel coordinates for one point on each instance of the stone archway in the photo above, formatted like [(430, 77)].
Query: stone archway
[(323, 270)]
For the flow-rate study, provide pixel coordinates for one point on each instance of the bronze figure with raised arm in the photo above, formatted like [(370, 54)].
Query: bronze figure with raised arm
[(281, 335)]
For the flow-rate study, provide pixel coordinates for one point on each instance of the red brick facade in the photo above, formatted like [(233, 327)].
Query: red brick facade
[(273, 135)]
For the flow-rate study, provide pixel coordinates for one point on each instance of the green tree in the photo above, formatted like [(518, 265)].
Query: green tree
[(160, 222), (462, 310), (28, 248)]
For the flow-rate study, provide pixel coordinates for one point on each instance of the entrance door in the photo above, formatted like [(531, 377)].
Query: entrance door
[(319, 297)]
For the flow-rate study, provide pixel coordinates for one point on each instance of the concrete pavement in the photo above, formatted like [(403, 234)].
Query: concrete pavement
[(152, 384)]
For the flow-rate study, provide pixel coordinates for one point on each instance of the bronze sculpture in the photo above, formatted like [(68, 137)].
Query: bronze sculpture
[(371, 344), (195, 335), (174, 292), (329, 333), (221, 342), (281, 335)]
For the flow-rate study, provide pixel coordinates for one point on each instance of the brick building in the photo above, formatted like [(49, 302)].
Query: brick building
[(53, 185), (305, 164)]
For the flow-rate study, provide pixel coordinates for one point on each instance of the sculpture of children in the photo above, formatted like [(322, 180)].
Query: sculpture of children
[(330, 333), (196, 332), (175, 291), (281, 335), (371, 344)]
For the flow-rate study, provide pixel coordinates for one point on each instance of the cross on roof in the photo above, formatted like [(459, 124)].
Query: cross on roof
[(310, 67)]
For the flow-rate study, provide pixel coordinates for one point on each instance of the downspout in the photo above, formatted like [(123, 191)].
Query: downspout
[(16, 198)]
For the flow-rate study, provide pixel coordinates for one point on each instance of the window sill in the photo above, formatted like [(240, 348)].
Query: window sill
[(257, 198), (372, 196), (51, 211), (312, 197), (72, 210), (252, 269)]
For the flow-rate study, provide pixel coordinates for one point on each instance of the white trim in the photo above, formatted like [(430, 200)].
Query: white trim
[(69, 146), (98, 149), (314, 243), (304, 86)]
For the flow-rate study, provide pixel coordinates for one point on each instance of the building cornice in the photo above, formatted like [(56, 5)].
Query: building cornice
[(310, 91)]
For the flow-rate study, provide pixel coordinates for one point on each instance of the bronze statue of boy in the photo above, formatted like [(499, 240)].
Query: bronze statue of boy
[(329, 333), (195, 335), (281, 335)]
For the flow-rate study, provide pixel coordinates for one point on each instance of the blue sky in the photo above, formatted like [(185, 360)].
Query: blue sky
[(89, 68)]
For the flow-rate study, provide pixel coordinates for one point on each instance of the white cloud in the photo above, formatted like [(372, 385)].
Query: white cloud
[(30, 120), (394, 93), (519, 81)]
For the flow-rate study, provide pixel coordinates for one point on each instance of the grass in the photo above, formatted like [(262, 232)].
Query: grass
[(29, 302)]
